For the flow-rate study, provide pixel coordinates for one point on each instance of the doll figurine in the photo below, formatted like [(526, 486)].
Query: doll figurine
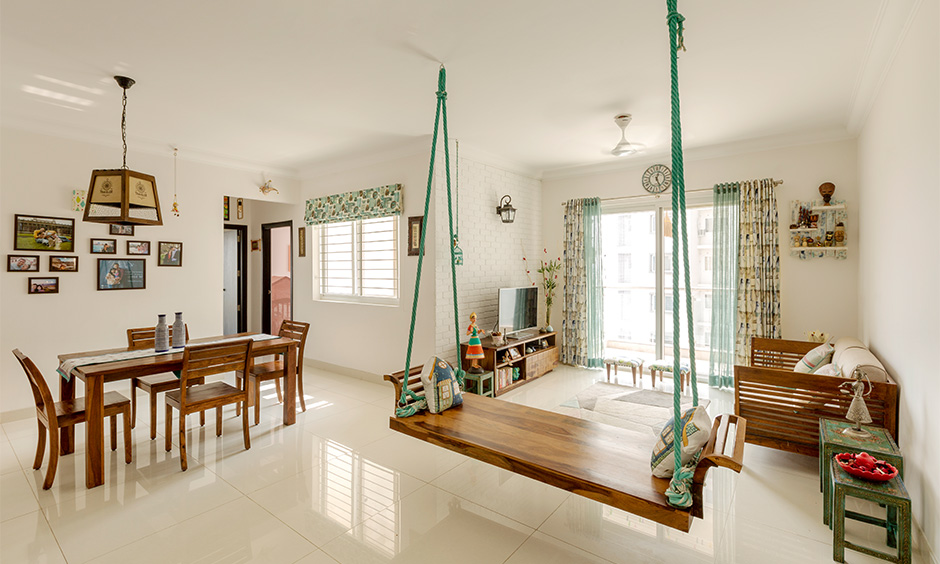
[(474, 347), (858, 411)]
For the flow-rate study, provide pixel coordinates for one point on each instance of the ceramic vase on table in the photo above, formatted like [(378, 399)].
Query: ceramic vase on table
[(179, 331), (161, 337)]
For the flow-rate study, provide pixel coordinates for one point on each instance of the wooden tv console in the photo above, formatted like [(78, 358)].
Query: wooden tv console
[(531, 365)]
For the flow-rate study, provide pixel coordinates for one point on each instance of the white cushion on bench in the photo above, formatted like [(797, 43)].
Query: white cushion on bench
[(863, 359)]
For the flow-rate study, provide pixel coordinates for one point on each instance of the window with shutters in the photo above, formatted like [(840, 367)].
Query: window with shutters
[(358, 261)]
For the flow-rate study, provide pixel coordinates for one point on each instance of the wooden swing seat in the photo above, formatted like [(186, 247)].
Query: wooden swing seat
[(600, 462)]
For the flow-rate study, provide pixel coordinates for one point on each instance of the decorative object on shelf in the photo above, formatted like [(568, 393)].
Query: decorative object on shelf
[(22, 263), (78, 200), (498, 339), (124, 230), (858, 411), (529, 350), (176, 207), (240, 209), (624, 147), (866, 466), (457, 251), (657, 179), (59, 263), (39, 233), (267, 188), (817, 336), (48, 285), (414, 234), (514, 353), (169, 253), (549, 271), (301, 241), (225, 208), (104, 246), (122, 195), (122, 274), (505, 211), (179, 331), (826, 190), (161, 336), (515, 373), (817, 229), (138, 247), (475, 346)]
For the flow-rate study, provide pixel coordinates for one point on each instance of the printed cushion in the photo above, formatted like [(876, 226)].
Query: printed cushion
[(628, 362), (814, 359), (828, 370), (666, 366), (440, 385), (696, 426)]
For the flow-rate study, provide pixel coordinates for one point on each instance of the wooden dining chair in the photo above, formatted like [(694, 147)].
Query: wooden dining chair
[(274, 370), (52, 415), (200, 361), (144, 338)]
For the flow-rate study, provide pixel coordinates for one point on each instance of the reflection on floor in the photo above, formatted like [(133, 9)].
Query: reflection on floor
[(340, 487)]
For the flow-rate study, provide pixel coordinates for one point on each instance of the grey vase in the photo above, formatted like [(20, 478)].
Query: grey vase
[(161, 337), (179, 331)]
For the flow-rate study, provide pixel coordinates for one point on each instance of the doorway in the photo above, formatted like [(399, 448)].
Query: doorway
[(276, 275), (235, 279)]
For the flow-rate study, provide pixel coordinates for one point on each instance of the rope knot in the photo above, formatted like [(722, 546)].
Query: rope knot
[(441, 95), (676, 19)]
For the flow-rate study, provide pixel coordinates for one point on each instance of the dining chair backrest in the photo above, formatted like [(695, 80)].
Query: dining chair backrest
[(200, 361), (145, 337), (45, 405), (296, 330)]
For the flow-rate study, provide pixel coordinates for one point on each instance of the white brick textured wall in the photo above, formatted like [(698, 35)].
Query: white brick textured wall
[(492, 250)]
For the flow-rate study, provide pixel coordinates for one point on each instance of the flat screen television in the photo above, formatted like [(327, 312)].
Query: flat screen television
[(518, 308)]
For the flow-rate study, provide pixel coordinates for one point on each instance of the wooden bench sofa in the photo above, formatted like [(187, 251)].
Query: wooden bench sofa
[(783, 407)]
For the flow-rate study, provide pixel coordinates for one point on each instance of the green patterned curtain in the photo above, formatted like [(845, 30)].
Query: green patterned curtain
[(594, 283), (383, 201), (724, 285), (582, 326)]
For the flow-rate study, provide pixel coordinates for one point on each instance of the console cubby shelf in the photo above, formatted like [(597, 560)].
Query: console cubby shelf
[(531, 365)]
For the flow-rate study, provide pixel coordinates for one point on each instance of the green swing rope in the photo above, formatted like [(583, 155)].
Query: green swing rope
[(679, 492), (404, 409)]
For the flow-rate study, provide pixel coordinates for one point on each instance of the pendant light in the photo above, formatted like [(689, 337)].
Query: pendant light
[(121, 195), (624, 147)]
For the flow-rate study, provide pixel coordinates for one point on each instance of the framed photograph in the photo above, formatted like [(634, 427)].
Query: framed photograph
[(301, 241), (39, 233), (22, 263), (122, 274), (61, 263), (256, 244), (49, 285), (240, 208), (104, 246), (414, 235), (170, 254), (225, 208), (138, 247), (121, 230), (513, 352)]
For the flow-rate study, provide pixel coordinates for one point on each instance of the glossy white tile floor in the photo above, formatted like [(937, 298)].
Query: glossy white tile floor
[(340, 487)]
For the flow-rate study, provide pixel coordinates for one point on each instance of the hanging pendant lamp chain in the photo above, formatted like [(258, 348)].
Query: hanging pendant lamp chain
[(124, 127)]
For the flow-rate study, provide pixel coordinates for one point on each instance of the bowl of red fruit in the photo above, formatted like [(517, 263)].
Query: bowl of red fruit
[(865, 466)]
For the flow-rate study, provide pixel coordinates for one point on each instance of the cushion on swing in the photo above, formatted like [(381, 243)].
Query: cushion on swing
[(696, 426), (814, 359), (440, 385), (828, 370)]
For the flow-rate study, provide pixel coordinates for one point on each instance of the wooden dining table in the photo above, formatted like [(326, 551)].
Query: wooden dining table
[(95, 376)]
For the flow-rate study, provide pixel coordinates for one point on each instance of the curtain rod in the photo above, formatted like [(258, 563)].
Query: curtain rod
[(776, 183)]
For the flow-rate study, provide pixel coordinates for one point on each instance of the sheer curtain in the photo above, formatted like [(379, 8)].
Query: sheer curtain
[(724, 284), (582, 327)]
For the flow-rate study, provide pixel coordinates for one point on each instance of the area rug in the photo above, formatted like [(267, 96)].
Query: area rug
[(631, 408)]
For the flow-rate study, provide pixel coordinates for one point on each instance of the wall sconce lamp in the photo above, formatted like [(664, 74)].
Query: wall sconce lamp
[(505, 210)]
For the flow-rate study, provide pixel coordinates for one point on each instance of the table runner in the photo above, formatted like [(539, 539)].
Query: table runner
[(65, 369)]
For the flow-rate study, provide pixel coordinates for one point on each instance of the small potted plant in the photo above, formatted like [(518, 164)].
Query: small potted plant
[(549, 270)]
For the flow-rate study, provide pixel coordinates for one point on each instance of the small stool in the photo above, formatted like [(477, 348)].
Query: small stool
[(632, 363), (665, 366), (892, 494), (482, 384)]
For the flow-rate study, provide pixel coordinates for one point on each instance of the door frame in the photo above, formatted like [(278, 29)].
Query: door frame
[(266, 271), (241, 274)]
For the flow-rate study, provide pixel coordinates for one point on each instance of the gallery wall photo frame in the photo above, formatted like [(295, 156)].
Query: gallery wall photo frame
[(138, 247), (122, 274), (22, 263), (118, 229), (226, 214), (43, 233), (169, 253), (103, 246), (63, 263), (43, 285), (414, 235), (301, 241)]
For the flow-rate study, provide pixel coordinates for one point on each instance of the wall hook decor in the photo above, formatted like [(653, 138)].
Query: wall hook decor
[(267, 188)]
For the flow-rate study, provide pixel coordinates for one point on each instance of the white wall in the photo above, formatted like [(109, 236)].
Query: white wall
[(37, 176), (816, 294), (492, 249), (899, 268), (362, 337)]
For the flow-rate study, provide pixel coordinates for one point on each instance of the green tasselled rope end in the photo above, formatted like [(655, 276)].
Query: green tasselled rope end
[(679, 493), (679, 21)]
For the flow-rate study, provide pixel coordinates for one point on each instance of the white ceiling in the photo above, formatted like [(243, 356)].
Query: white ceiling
[(296, 84)]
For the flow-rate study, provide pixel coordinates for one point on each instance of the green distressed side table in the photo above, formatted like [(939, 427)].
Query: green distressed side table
[(881, 445), (482, 383), (892, 493)]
